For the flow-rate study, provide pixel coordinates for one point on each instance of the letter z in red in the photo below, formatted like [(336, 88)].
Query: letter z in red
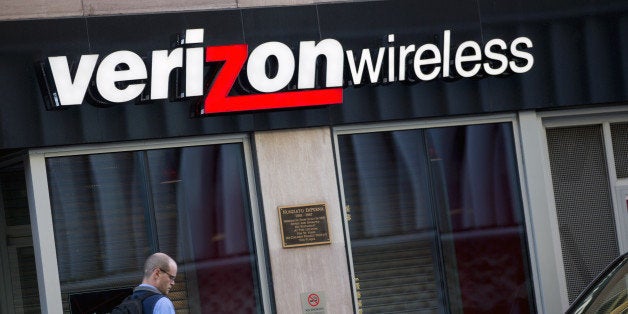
[(219, 101)]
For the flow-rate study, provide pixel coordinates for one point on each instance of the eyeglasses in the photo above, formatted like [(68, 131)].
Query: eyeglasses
[(170, 276)]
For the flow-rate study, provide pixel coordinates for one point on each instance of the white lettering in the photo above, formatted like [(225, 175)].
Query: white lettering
[(419, 61), (308, 53), (476, 55), (503, 61), (122, 75), (108, 75), (391, 59), (163, 64), (256, 67), (521, 54), (404, 51), (72, 92), (446, 49), (194, 63), (194, 71), (365, 60), (194, 36)]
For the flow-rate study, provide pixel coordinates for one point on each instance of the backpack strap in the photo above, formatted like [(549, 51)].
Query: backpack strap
[(150, 302), (143, 294), (148, 299)]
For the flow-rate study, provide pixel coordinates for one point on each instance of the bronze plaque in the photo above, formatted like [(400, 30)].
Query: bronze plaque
[(304, 225)]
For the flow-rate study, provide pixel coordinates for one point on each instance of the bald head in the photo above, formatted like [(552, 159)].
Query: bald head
[(157, 261), (160, 271)]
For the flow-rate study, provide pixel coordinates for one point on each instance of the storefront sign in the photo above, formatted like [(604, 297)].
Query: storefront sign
[(274, 77), (304, 225)]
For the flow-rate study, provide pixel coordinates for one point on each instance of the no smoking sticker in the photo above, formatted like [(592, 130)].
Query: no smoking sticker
[(313, 302)]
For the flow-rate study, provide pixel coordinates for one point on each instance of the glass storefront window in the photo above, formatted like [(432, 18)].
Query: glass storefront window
[(437, 220), (111, 210), (17, 256)]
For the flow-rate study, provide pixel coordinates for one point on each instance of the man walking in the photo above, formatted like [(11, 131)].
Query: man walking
[(160, 271)]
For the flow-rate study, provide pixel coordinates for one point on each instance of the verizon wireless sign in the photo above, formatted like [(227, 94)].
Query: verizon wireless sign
[(276, 76)]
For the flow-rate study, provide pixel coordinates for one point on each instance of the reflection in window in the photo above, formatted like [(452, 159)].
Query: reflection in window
[(110, 211), (22, 290), (436, 220)]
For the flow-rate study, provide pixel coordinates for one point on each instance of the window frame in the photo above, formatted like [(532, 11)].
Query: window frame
[(436, 123), (41, 211)]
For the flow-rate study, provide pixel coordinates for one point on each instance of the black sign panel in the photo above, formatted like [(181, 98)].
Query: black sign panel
[(577, 46)]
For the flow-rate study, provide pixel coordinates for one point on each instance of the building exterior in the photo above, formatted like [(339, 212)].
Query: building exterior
[(312, 156)]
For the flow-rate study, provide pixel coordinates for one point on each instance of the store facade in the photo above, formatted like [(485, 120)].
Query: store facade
[(355, 157)]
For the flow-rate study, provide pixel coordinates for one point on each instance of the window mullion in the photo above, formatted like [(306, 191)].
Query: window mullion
[(442, 225), (149, 205), (43, 235)]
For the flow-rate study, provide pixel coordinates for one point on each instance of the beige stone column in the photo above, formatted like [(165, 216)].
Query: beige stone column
[(297, 167)]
